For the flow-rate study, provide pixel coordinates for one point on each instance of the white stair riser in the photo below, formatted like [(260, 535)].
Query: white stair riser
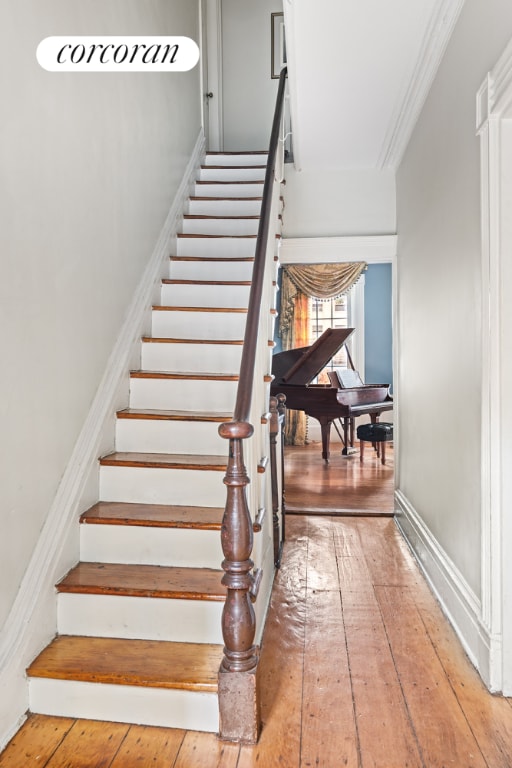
[(140, 618), (205, 295), (210, 270), (167, 708), (139, 545), (183, 394), (163, 436), (147, 485), (223, 358), (220, 226), (232, 174), (199, 325), (225, 207), (210, 189), (226, 247), (236, 159)]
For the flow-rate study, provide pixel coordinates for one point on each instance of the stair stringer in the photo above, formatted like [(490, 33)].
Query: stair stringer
[(32, 620)]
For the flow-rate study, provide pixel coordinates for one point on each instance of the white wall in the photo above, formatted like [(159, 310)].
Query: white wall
[(249, 92), (90, 165), (327, 203), (439, 291)]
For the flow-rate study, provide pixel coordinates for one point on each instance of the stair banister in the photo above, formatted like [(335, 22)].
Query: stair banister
[(238, 702)]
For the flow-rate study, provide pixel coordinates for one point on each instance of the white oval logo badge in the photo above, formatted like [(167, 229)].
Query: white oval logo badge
[(117, 54)]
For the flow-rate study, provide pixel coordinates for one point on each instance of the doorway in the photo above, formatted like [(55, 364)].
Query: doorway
[(211, 74)]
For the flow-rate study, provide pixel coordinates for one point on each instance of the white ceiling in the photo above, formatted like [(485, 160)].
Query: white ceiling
[(359, 73)]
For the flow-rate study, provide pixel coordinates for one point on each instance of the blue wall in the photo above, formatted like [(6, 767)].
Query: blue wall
[(378, 341)]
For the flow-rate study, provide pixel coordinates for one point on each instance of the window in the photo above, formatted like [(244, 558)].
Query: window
[(334, 314)]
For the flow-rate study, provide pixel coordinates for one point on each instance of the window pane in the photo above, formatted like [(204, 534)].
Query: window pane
[(333, 313)]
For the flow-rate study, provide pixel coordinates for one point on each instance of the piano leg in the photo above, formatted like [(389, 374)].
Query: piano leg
[(374, 418), (346, 436), (326, 438)]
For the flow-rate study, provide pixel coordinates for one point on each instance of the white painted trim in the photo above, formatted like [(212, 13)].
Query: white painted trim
[(356, 319), (291, 57), (375, 249), (214, 43), (458, 601), (493, 107), (28, 626), (408, 108), (500, 93)]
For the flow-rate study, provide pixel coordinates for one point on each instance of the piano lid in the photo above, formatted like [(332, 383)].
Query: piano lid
[(300, 366)]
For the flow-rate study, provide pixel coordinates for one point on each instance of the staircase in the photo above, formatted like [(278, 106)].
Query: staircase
[(139, 618)]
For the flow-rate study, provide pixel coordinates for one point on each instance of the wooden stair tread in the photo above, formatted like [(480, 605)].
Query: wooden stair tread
[(154, 515), (210, 216), (210, 259), (196, 235), (164, 461), (167, 340), (234, 153), (167, 308), (231, 167), (167, 582), (203, 182), (170, 281), (155, 415), (147, 663), (193, 376), (230, 199)]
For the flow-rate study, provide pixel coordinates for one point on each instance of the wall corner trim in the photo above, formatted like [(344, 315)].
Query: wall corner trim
[(458, 601), (21, 635)]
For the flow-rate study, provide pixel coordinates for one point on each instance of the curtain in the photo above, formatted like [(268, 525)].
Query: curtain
[(299, 283)]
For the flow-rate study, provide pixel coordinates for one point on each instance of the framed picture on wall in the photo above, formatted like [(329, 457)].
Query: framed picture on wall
[(278, 45)]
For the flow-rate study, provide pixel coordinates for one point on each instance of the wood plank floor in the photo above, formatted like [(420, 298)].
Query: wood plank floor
[(344, 485), (359, 668)]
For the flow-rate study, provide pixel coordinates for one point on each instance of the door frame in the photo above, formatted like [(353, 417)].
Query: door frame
[(494, 127), (210, 14)]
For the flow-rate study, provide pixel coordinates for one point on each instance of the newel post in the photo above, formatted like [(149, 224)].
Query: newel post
[(238, 694)]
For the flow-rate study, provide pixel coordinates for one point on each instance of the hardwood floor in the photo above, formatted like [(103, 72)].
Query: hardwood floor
[(359, 668), (344, 485)]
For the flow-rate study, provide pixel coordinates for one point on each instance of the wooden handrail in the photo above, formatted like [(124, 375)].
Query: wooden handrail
[(238, 712), (244, 392)]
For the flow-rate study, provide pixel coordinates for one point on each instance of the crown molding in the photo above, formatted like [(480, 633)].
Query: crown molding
[(408, 108), (499, 90)]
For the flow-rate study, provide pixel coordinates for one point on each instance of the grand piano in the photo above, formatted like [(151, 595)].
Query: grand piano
[(293, 372)]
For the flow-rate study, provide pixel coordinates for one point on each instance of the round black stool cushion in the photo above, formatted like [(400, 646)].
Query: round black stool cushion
[(375, 433)]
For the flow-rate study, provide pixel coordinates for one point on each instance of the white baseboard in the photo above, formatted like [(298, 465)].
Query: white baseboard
[(458, 601), (32, 619)]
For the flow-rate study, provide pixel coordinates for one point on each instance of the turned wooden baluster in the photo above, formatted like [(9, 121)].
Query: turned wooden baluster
[(274, 431), (281, 408), (238, 618)]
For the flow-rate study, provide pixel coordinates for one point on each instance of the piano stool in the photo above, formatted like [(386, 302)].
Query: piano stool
[(375, 433)]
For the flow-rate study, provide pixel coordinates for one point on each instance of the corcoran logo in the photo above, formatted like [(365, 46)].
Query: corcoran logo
[(117, 54)]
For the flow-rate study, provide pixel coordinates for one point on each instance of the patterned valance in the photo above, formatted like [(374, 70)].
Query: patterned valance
[(323, 281)]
